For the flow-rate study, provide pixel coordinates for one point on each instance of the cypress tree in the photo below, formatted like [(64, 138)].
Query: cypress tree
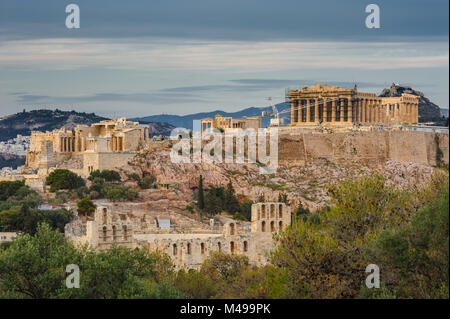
[(201, 198)]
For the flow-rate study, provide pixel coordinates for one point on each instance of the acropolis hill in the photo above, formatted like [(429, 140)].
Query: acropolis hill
[(334, 134)]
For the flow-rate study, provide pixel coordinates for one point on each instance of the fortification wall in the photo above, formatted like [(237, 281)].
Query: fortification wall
[(364, 148)]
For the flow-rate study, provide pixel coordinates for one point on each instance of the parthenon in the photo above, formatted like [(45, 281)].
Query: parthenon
[(332, 105)]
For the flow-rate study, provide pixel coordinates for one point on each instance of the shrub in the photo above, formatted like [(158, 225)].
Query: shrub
[(190, 208), (8, 189), (60, 198), (147, 182), (134, 176), (64, 179), (107, 175), (86, 206), (119, 193)]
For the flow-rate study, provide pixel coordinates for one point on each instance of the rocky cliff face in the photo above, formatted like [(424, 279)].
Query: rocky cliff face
[(305, 183), (428, 111)]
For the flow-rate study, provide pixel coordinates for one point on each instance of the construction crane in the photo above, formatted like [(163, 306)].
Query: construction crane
[(276, 120)]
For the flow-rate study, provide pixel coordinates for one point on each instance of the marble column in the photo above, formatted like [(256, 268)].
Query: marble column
[(308, 110), (363, 110), (333, 110), (376, 117), (316, 110), (292, 112), (416, 113), (324, 111), (350, 111), (366, 107)]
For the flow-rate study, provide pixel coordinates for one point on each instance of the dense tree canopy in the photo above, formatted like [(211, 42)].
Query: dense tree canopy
[(321, 255), (107, 175), (85, 206), (64, 179), (327, 259), (34, 267)]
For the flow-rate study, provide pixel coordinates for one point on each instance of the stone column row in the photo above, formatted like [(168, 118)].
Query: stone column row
[(117, 143), (371, 111), (355, 110), (67, 144), (411, 113)]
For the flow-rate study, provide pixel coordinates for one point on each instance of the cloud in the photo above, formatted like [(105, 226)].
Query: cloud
[(152, 54), (145, 98), (186, 94), (246, 85)]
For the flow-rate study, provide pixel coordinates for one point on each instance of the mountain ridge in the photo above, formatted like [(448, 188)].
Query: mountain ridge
[(47, 120), (185, 121)]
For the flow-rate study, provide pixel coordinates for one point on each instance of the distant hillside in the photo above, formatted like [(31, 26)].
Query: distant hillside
[(43, 120), (428, 111), (8, 160), (186, 120), (47, 120), (158, 128)]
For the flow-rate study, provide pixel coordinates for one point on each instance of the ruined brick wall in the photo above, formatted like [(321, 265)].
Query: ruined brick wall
[(187, 242)]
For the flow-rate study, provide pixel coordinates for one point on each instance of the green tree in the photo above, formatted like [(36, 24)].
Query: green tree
[(147, 182), (201, 196), (26, 219), (86, 206), (8, 189), (214, 200), (64, 179), (415, 259), (301, 212), (34, 266), (10, 220), (107, 175), (231, 204), (327, 259), (246, 209), (119, 193)]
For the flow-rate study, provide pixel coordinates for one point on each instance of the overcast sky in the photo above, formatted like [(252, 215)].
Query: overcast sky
[(141, 57)]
